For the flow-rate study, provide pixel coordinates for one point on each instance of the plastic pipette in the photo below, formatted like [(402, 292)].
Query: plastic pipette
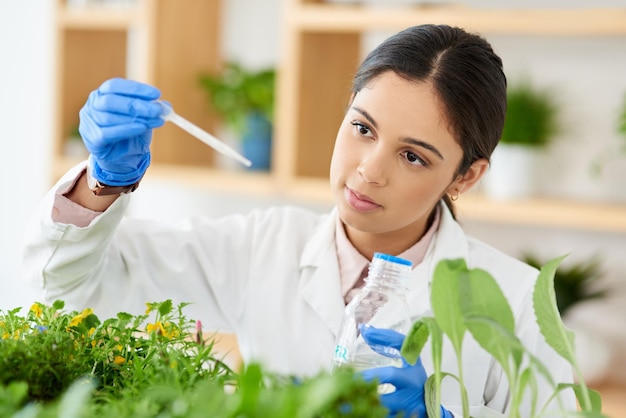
[(202, 135)]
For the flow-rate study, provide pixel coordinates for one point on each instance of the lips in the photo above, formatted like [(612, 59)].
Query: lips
[(360, 202)]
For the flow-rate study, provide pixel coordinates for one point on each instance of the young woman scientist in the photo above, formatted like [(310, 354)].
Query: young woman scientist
[(426, 111)]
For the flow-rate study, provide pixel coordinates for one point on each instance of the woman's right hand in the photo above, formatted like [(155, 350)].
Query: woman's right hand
[(116, 126)]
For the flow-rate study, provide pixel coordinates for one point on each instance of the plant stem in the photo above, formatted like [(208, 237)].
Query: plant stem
[(464, 397)]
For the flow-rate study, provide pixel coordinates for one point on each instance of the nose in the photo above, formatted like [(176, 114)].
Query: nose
[(372, 166)]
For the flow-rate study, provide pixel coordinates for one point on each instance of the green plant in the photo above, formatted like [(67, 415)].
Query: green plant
[(71, 365), (573, 284), (236, 91), (531, 116), (469, 300), (121, 368)]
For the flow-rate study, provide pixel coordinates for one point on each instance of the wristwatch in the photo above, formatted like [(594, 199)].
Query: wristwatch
[(101, 189)]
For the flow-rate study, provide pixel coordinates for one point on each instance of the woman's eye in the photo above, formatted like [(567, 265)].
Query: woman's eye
[(362, 129), (414, 159)]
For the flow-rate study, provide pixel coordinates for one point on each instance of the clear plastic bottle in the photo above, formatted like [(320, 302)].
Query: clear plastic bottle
[(381, 303)]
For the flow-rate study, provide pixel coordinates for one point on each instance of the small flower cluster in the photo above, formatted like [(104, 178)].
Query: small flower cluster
[(51, 349)]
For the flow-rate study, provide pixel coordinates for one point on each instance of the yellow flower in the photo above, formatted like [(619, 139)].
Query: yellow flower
[(80, 317), (156, 327), (36, 309), (148, 307), (91, 331), (6, 336), (119, 360)]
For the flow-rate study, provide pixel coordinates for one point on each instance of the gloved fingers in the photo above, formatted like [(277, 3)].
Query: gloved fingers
[(103, 119), (388, 374), (129, 88), (96, 137), (394, 402), (381, 337), (124, 105)]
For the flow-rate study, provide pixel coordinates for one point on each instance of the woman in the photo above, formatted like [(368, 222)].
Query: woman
[(426, 111)]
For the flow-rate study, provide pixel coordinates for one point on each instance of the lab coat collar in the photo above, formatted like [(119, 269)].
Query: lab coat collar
[(449, 242), (319, 274), (319, 268)]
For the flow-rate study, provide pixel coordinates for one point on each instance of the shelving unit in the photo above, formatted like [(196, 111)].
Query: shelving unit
[(154, 41), (165, 44), (312, 97)]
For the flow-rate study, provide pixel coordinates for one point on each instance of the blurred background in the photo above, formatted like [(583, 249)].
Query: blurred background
[(571, 61)]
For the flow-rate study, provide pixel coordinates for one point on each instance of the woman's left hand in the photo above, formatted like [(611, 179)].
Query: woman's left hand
[(408, 380)]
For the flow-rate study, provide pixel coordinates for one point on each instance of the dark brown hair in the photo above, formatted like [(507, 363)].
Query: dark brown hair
[(464, 70)]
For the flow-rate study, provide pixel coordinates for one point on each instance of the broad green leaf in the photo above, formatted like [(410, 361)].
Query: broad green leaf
[(481, 296), (75, 398), (415, 341), (594, 396), (445, 299), (431, 399), (498, 341), (547, 313), (58, 305)]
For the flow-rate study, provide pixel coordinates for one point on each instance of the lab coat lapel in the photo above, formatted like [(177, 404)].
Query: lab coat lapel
[(320, 286), (449, 242)]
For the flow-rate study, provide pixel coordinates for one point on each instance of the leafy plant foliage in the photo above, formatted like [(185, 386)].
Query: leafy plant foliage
[(470, 300), (71, 365)]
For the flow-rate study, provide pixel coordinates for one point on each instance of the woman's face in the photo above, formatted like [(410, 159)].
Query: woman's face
[(394, 158)]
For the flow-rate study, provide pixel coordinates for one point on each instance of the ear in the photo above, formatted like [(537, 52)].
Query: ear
[(466, 181)]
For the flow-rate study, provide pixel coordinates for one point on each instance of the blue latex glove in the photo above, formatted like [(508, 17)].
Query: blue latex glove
[(116, 126), (408, 398)]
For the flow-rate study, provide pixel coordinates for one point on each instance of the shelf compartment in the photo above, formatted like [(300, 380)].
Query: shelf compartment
[(346, 18)]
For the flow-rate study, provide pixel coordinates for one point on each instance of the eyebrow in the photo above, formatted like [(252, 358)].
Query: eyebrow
[(409, 140)]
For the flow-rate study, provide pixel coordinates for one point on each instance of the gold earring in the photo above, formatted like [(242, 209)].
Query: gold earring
[(455, 197)]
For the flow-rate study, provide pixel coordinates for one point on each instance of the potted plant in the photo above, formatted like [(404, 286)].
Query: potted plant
[(244, 99), (530, 125)]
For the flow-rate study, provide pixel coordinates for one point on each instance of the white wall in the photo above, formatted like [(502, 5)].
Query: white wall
[(26, 83), (590, 74)]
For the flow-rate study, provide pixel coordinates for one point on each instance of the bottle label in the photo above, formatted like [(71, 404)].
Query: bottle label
[(341, 354)]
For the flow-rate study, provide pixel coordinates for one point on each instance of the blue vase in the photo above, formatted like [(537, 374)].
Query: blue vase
[(257, 141)]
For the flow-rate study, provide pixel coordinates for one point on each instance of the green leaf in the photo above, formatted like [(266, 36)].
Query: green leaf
[(165, 307), (415, 341), (445, 299), (58, 305), (594, 396), (547, 314), (75, 398), (482, 298), (498, 341), (431, 399)]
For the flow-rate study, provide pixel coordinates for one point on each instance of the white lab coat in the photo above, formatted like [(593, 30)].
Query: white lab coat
[(270, 276)]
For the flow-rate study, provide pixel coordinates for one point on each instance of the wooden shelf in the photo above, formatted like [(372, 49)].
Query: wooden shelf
[(341, 18), (544, 212), (96, 18)]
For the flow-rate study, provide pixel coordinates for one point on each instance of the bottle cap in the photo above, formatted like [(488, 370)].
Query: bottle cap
[(393, 259)]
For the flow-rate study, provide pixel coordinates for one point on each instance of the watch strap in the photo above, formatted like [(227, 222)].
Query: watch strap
[(100, 189)]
